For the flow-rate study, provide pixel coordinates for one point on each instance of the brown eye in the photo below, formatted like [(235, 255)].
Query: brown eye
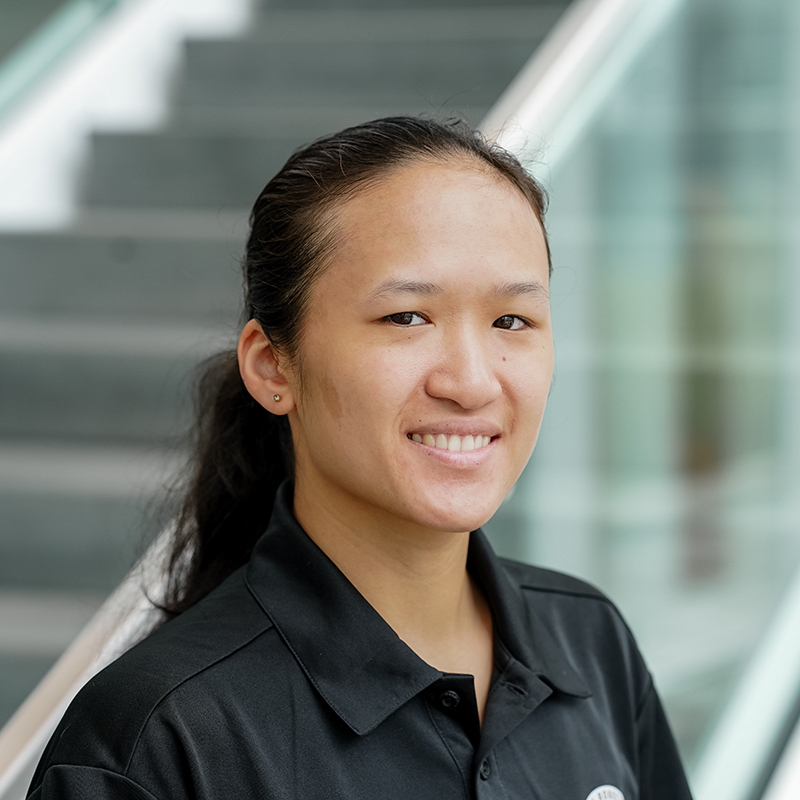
[(406, 318), (509, 322)]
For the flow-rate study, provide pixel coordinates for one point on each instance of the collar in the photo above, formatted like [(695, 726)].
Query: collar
[(522, 632), (357, 663)]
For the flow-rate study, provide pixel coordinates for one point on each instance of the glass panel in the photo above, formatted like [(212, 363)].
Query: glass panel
[(667, 465)]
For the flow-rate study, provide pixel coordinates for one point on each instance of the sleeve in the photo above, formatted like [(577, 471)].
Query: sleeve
[(661, 775), (66, 782)]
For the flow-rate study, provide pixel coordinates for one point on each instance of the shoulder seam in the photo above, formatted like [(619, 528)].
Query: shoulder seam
[(180, 683), (571, 593), (599, 596), (649, 687)]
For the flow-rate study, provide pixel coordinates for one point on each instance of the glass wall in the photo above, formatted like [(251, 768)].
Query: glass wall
[(668, 466)]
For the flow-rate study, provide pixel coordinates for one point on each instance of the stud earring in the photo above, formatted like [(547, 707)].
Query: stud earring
[(276, 398)]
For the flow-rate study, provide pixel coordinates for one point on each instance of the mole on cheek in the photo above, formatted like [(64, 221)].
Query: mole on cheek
[(330, 396)]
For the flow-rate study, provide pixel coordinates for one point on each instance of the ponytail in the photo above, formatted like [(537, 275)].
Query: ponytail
[(242, 453)]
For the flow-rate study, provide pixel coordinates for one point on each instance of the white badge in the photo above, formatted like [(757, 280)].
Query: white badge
[(606, 793)]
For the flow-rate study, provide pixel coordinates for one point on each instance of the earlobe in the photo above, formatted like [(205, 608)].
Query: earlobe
[(261, 370)]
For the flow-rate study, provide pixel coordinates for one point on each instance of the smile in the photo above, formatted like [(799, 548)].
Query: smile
[(455, 442)]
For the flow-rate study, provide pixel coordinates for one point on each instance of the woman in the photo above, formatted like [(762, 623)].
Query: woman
[(387, 393)]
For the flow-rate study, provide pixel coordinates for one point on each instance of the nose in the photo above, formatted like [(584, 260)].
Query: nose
[(465, 371)]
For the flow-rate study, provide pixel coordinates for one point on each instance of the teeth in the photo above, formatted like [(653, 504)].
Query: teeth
[(454, 443)]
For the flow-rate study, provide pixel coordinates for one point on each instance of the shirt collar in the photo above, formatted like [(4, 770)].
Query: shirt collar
[(359, 665), (517, 625)]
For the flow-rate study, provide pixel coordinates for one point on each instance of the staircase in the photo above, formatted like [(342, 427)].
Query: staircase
[(101, 323)]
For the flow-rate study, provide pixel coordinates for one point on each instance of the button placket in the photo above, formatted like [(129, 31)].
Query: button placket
[(454, 698)]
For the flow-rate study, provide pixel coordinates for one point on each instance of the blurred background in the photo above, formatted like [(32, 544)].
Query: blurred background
[(134, 136)]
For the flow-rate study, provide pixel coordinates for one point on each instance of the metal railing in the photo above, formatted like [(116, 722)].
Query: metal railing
[(738, 760), (120, 621), (42, 51), (559, 91)]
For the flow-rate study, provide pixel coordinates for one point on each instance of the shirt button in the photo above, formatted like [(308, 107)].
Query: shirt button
[(449, 699), (485, 771)]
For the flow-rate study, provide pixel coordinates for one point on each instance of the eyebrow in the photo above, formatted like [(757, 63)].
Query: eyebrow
[(533, 288), (399, 285)]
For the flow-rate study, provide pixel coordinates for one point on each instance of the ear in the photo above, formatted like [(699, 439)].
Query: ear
[(261, 372)]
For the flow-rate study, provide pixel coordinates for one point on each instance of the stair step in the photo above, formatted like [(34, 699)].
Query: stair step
[(182, 169), (114, 276), (68, 542), (299, 124), (43, 623), (76, 518), (422, 74), (102, 381), (264, 7), (19, 676), (82, 470), (392, 24), (35, 628), (215, 226), (314, 65)]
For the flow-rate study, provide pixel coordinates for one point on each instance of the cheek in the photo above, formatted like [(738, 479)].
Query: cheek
[(361, 393), (330, 396), (529, 385), (386, 373)]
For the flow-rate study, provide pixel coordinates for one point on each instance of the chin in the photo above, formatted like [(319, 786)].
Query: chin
[(454, 518)]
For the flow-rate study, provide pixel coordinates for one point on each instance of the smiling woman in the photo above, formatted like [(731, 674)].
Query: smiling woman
[(338, 626)]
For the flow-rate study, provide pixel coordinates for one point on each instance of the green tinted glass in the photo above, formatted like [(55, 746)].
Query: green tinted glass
[(669, 460)]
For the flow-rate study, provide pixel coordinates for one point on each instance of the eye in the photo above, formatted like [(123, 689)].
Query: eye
[(406, 319), (509, 322)]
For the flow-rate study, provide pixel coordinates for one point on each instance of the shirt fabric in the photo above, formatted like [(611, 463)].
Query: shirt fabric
[(284, 683)]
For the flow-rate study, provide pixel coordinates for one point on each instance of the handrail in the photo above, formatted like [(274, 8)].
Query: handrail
[(121, 620), (786, 776), (748, 732), (560, 89), (46, 46)]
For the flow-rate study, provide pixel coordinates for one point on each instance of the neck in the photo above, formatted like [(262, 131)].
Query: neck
[(415, 578)]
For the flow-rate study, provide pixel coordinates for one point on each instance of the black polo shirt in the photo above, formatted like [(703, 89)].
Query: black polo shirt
[(285, 683)]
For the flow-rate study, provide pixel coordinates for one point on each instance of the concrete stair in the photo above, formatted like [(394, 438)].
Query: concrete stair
[(242, 106), (101, 324)]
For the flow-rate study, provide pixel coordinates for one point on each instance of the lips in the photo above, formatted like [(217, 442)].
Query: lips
[(454, 442)]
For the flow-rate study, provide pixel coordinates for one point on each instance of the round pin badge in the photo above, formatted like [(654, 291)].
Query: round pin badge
[(606, 792)]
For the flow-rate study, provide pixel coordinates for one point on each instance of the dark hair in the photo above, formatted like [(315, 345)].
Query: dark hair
[(241, 451)]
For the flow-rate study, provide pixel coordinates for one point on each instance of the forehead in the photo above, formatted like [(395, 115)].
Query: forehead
[(437, 221), (409, 193)]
